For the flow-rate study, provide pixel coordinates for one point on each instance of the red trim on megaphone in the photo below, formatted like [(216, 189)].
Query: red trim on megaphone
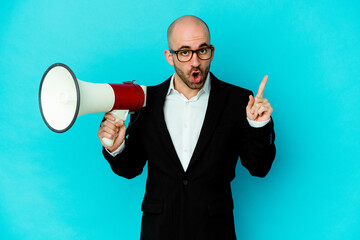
[(128, 96)]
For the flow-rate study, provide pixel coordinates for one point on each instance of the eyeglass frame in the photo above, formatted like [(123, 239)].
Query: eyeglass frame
[(211, 47)]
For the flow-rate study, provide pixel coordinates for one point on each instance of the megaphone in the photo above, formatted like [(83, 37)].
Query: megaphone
[(63, 98)]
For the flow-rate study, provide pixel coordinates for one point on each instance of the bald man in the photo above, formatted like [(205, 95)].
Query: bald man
[(192, 133)]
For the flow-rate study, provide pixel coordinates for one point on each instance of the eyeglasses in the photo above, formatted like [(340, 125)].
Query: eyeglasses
[(204, 53)]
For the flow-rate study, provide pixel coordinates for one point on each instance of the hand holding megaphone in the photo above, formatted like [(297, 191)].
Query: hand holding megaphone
[(114, 117), (112, 131), (63, 98)]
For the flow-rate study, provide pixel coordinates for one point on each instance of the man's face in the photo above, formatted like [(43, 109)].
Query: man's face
[(187, 36)]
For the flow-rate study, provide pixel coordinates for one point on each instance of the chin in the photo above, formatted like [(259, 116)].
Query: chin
[(198, 85)]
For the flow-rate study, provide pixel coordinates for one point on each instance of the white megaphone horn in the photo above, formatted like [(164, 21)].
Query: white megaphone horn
[(63, 98)]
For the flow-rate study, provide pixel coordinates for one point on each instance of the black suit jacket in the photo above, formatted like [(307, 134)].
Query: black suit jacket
[(196, 204)]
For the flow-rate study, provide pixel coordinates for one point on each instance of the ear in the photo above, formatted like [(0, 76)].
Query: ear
[(169, 57), (213, 52)]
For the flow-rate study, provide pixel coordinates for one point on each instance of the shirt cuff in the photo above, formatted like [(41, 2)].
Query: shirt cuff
[(257, 124), (117, 151)]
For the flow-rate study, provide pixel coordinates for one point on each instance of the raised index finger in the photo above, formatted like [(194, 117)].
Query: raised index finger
[(262, 86)]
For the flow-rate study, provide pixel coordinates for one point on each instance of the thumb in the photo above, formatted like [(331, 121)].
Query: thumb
[(120, 133), (251, 101), (249, 107)]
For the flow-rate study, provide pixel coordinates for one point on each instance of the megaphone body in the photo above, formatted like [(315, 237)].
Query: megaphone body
[(63, 98)]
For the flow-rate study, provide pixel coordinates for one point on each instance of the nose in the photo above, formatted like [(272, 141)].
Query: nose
[(195, 61)]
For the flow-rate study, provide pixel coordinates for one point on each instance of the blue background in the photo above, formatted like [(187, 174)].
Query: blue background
[(58, 186)]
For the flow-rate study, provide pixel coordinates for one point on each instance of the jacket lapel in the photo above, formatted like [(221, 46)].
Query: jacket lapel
[(159, 99), (217, 99)]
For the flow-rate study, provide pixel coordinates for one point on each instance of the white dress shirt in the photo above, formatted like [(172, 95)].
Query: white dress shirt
[(184, 118)]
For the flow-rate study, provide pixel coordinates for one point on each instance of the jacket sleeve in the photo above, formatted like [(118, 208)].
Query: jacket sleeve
[(131, 161), (257, 148)]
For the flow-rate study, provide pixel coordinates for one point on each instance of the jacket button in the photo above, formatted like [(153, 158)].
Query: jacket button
[(185, 182)]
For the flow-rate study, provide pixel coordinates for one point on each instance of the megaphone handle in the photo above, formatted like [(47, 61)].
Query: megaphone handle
[(119, 115)]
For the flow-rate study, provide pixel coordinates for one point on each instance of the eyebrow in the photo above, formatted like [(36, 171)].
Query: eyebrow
[(186, 47)]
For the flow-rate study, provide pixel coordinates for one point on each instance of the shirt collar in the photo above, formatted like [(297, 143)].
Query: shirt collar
[(206, 88)]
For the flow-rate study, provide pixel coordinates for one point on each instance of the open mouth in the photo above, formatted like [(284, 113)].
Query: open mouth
[(196, 77)]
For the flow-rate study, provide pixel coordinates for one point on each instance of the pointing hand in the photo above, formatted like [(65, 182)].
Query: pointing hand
[(259, 108)]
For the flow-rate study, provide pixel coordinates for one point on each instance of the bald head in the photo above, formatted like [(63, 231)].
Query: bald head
[(185, 22)]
